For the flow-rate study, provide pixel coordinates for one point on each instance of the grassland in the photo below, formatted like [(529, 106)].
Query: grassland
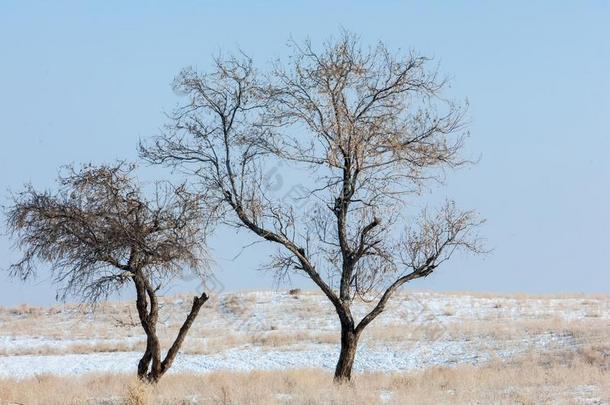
[(267, 347)]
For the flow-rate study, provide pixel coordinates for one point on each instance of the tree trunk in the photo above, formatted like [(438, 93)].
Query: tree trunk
[(148, 312), (349, 343), (144, 363), (156, 370), (150, 367), (159, 368), (175, 347)]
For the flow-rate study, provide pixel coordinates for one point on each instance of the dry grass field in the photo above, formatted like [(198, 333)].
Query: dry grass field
[(575, 378), (267, 347)]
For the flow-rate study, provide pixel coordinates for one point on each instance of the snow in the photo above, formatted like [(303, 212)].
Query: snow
[(244, 359), (14, 343), (396, 357), (265, 311)]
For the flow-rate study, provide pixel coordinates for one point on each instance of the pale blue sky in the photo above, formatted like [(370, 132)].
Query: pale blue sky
[(82, 81)]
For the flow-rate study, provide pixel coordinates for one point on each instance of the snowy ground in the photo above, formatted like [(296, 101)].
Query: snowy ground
[(277, 330), (391, 358)]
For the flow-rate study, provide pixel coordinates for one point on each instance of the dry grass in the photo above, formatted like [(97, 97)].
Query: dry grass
[(304, 317), (573, 368), (564, 377)]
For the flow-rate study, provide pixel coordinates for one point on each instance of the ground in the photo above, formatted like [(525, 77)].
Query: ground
[(427, 347)]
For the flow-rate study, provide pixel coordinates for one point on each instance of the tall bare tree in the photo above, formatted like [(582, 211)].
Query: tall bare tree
[(99, 233), (365, 129)]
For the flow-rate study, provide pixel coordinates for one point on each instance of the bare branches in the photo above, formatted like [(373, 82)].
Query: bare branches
[(433, 242), (436, 238), (366, 108), (98, 229), (370, 126), (220, 138)]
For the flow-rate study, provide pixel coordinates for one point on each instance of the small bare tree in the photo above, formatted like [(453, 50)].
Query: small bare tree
[(365, 129), (99, 233)]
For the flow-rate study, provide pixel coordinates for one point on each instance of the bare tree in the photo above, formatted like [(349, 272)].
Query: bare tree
[(99, 233), (365, 129)]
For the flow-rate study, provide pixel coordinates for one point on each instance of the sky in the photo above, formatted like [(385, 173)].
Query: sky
[(82, 81)]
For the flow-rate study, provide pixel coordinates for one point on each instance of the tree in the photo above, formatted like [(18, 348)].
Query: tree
[(99, 233), (369, 128)]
